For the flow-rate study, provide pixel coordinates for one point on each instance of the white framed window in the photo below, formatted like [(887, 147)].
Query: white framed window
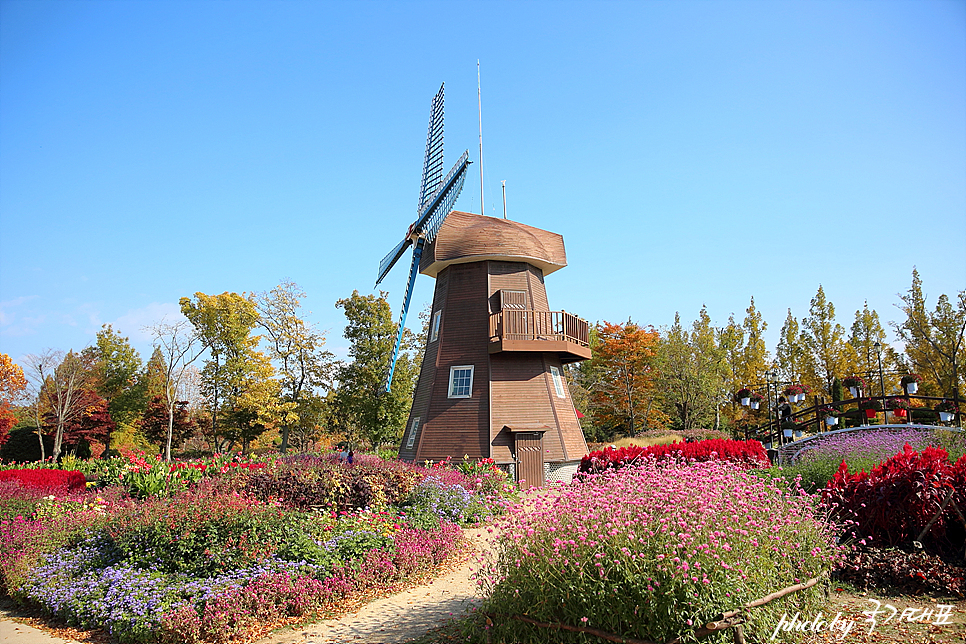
[(411, 439), (434, 327), (461, 381), (557, 382)]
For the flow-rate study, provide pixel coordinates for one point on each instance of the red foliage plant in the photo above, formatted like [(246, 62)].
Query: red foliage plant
[(747, 454), (892, 504), (48, 479)]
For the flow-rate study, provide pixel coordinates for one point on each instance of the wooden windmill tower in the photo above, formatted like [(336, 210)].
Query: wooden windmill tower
[(491, 383)]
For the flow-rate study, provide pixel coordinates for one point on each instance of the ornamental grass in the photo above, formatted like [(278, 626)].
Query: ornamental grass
[(653, 552)]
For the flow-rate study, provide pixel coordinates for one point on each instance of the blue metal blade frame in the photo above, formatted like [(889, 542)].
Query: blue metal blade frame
[(390, 260), (413, 270), (433, 161)]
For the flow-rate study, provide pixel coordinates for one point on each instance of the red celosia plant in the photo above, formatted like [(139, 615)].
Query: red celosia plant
[(48, 479), (748, 454), (892, 504)]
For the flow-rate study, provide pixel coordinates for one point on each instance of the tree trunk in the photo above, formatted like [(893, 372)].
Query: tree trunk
[(167, 445)]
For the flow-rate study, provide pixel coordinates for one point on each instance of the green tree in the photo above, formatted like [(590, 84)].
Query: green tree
[(825, 340), (865, 333), (731, 340), (934, 341), (224, 324), (755, 352), (792, 355), (117, 376), (298, 350), (362, 410), (693, 372)]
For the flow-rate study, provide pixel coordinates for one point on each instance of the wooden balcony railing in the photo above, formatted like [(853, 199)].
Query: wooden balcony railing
[(514, 325)]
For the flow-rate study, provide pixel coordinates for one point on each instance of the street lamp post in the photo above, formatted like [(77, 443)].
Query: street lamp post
[(878, 354)]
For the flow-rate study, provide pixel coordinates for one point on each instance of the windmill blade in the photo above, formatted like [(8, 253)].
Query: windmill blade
[(390, 260), (431, 217), (448, 199), (413, 270), (433, 161)]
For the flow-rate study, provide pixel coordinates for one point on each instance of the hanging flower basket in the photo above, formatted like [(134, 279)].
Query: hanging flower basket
[(831, 421), (792, 392), (756, 400), (947, 410), (911, 383), (787, 433), (744, 397), (899, 413), (896, 403), (871, 406), (855, 384)]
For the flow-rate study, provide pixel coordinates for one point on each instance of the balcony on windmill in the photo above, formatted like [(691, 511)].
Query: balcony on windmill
[(540, 331)]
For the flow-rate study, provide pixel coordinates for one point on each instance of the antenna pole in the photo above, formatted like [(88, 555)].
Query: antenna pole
[(504, 198), (479, 100)]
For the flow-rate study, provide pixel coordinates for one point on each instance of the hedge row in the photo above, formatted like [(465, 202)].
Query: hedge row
[(46, 479), (748, 454)]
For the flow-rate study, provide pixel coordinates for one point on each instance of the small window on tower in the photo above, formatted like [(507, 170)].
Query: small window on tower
[(461, 381), (513, 300), (434, 328), (557, 382), (412, 433)]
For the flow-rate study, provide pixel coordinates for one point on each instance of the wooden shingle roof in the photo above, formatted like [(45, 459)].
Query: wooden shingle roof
[(466, 237)]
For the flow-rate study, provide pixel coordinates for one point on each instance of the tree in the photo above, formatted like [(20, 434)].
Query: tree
[(755, 353), (792, 356), (731, 341), (865, 332), (622, 392), (223, 323), (297, 349), (158, 422), (825, 340), (116, 375), (693, 371), (934, 341), (92, 422), (362, 409), (59, 381), (13, 384), (177, 347)]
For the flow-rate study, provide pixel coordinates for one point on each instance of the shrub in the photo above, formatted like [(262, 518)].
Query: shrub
[(890, 505), (452, 503), (651, 552), (205, 532), (323, 482), (745, 453), (894, 570), (46, 479)]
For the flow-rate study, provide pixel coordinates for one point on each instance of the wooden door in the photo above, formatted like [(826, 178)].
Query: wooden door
[(529, 448)]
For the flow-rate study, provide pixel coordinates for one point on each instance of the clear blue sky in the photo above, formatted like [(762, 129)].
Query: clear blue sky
[(690, 153)]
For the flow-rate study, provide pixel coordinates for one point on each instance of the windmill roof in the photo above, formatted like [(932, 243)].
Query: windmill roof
[(465, 237)]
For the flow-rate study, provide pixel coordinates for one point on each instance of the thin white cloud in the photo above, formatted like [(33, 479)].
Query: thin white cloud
[(132, 324), (17, 321)]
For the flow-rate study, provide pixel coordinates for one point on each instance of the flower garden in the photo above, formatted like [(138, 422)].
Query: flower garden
[(652, 543), (225, 549)]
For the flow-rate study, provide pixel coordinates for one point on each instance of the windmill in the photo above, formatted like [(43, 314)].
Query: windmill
[(491, 384), (436, 198)]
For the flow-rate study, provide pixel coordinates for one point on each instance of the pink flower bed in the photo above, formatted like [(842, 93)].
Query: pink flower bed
[(747, 454)]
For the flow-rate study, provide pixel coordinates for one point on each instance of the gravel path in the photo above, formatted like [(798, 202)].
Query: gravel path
[(401, 617)]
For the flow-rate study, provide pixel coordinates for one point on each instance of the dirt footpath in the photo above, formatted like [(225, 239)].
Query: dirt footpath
[(401, 617)]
